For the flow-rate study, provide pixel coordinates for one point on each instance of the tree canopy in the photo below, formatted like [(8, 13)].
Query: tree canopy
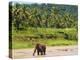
[(43, 15)]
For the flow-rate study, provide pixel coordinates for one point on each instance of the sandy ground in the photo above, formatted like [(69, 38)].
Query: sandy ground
[(51, 51)]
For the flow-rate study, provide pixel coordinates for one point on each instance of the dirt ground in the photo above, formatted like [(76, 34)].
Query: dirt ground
[(51, 52)]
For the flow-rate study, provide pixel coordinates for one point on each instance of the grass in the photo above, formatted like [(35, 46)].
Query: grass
[(49, 42), (21, 44), (34, 31), (61, 42), (19, 39)]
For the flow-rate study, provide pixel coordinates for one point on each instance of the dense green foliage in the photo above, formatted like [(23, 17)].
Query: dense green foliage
[(48, 33), (52, 24), (43, 15)]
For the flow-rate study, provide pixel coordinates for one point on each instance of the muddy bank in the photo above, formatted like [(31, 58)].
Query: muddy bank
[(51, 52)]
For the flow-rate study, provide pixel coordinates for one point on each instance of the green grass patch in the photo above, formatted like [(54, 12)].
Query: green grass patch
[(49, 42), (20, 38), (21, 44), (61, 42)]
